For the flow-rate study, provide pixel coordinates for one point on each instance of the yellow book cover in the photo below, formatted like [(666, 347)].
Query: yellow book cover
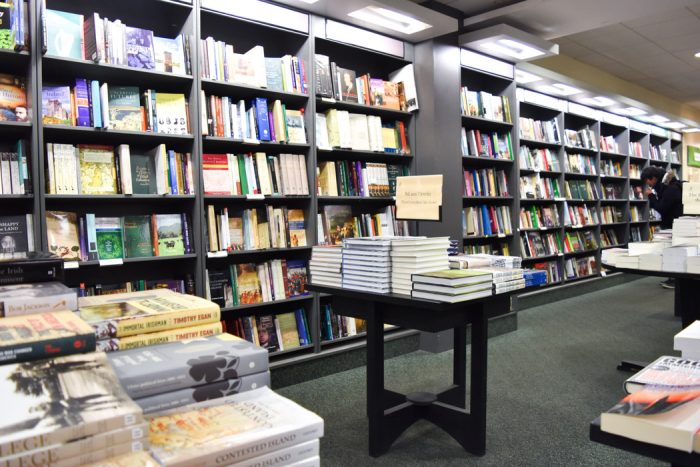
[(171, 110), (333, 128), (97, 170), (297, 227), (156, 338), (288, 330), (248, 284), (129, 314), (389, 138)]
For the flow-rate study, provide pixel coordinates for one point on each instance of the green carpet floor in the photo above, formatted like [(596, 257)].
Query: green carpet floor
[(546, 382)]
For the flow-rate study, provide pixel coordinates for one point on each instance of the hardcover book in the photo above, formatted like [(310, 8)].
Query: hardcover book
[(295, 126), (138, 242), (143, 174), (124, 108), (97, 170), (38, 336), (56, 105), (247, 284), (26, 299), (82, 102), (267, 333), (171, 110), (62, 233), (110, 238), (139, 48), (273, 74), (148, 311), (169, 235), (169, 55), (338, 223), (179, 365), (186, 396), (297, 227), (64, 34), (13, 99), (297, 276), (16, 237), (348, 84), (36, 266), (234, 428), (149, 339), (60, 400)]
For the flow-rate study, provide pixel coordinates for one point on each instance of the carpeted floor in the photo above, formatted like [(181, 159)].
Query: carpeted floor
[(546, 382)]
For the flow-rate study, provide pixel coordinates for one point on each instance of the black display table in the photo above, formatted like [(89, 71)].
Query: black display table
[(389, 412), (674, 456)]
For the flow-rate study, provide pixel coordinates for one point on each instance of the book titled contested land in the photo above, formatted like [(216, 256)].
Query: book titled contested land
[(33, 337), (134, 313), (59, 400), (231, 429)]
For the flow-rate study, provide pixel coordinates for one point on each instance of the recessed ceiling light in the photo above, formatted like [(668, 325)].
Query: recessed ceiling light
[(512, 48), (308, 1), (674, 125), (389, 19), (523, 77), (630, 111), (654, 118), (508, 43), (697, 54), (561, 89), (690, 130), (598, 101)]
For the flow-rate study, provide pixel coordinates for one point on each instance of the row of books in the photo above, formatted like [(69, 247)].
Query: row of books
[(538, 159), (636, 214), (657, 153), (539, 217), (125, 108), (342, 129), (283, 331), (494, 145), (577, 268), (580, 164), (552, 269), (251, 283), (636, 149), (344, 84), (635, 171), (334, 326), (14, 33), (186, 285), (338, 222), (220, 62), (356, 178), (608, 237), (255, 121), (87, 237), (485, 182), (609, 144), (484, 105), (538, 130), (105, 170), (258, 173), (100, 40), (612, 191), (13, 98), (579, 240), (637, 234), (487, 249), (584, 138), (585, 190), (254, 229), (538, 244), (580, 214), (610, 167), (539, 187), (15, 168), (483, 220)]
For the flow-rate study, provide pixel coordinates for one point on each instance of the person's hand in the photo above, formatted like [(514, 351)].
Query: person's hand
[(647, 191)]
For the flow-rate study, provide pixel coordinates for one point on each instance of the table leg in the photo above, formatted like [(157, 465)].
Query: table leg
[(477, 396), (685, 305), (457, 394), (375, 380)]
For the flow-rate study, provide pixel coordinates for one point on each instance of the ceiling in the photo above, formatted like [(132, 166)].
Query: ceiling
[(648, 42)]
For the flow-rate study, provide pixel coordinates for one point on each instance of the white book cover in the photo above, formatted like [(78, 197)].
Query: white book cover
[(125, 166), (359, 132)]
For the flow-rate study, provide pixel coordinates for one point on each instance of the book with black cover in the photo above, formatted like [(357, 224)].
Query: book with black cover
[(38, 266)]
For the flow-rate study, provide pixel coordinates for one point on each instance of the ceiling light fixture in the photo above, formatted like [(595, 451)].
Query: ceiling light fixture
[(690, 130), (509, 43), (523, 77), (560, 89), (389, 19), (629, 111), (674, 125), (307, 1), (654, 118), (598, 101), (697, 54)]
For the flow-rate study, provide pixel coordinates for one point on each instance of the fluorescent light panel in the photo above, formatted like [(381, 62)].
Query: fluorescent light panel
[(629, 111), (674, 125), (690, 130), (523, 77), (598, 101), (654, 118), (509, 43), (308, 1), (389, 19), (512, 48), (560, 89)]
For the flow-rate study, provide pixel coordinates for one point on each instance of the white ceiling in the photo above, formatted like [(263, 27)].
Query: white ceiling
[(648, 42)]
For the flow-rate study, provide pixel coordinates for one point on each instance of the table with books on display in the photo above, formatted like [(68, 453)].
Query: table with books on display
[(376, 279)]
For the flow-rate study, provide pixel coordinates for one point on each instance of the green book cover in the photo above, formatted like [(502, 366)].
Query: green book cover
[(109, 236), (125, 108), (242, 172), (64, 33), (169, 235), (7, 37), (137, 236), (143, 174)]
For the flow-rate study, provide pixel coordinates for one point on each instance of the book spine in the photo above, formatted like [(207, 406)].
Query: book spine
[(91, 236), (134, 325), (25, 306), (69, 345), (28, 272), (160, 337), (186, 234), (82, 240), (82, 104)]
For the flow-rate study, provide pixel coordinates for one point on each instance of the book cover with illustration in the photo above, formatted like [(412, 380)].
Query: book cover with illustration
[(297, 227), (295, 126), (267, 333), (171, 111), (56, 105), (247, 284), (666, 371), (348, 84), (26, 299), (110, 238), (138, 242), (125, 111), (15, 236), (149, 339), (62, 233), (338, 223), (143, 174), (98, 174), (59, 400), (149, 311), (169, 55), (7, 33), (13, 99), (297, 277), (64, 34), (139, 48), (170, 236), (43, 335), (235, 229)]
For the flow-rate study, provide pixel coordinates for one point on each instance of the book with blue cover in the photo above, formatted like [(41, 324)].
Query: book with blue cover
[(139, 48), (262, 118), (64, 33), (82, 103)]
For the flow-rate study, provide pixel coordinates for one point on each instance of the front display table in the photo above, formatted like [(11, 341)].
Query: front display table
[(389, 412)]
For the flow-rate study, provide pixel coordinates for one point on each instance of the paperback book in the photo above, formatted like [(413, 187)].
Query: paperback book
[(41, 297)]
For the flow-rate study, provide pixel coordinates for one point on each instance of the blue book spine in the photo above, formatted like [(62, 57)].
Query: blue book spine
[(96, 104), (82, 103), (329, 327), (486, 220), (303, 338), (186, 234), (262, 118), (91, 236), (173, 172)]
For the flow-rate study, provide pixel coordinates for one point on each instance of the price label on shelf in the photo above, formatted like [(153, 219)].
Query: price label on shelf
[(330, 100), (255, 196), (71, 265), (501, 235), (111, 262), (560, 254), (559, 199), (603, 273), (251, 141), (217, 254)]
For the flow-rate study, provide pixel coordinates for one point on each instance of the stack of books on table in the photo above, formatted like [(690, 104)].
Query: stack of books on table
[(257, 427), (68, 410), (534, 277), (610, 255), (413, 255), (505, 279), (688, 342), (325, 265), (367, 264), (140, 319), (686, 230), (452, 285), (171, 375), (675, 258)]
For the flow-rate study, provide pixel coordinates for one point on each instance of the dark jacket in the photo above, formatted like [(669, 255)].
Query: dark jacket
[(668, 201)]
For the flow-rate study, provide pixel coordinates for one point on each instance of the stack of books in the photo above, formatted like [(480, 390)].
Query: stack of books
[(326, 264), (676, 257), (686, 230), (505, 279), (610, 255), (413, 255), (651, 261), (68, 410), (693, 265), (254, 428), (181, 373), (140, 319), (534, 277), (367, 264), (452, 285), (688, 342), (469, 261)]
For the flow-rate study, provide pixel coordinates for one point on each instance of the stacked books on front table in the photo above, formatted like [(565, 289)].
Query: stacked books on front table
[(688, 342), (367, 264), (609, 256), (68, 410), (505, 279), (326, 264), (181, 373), (667, 371), (40, 297), (416, 255), (452, 285), (534, 277), (675, 258), (255, 427), (686, 230), (141, 319)]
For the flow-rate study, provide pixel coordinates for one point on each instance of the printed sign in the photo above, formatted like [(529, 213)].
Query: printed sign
[(419, 197)]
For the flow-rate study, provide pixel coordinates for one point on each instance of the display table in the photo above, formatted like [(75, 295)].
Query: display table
[(674, 456), (389, 412)]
